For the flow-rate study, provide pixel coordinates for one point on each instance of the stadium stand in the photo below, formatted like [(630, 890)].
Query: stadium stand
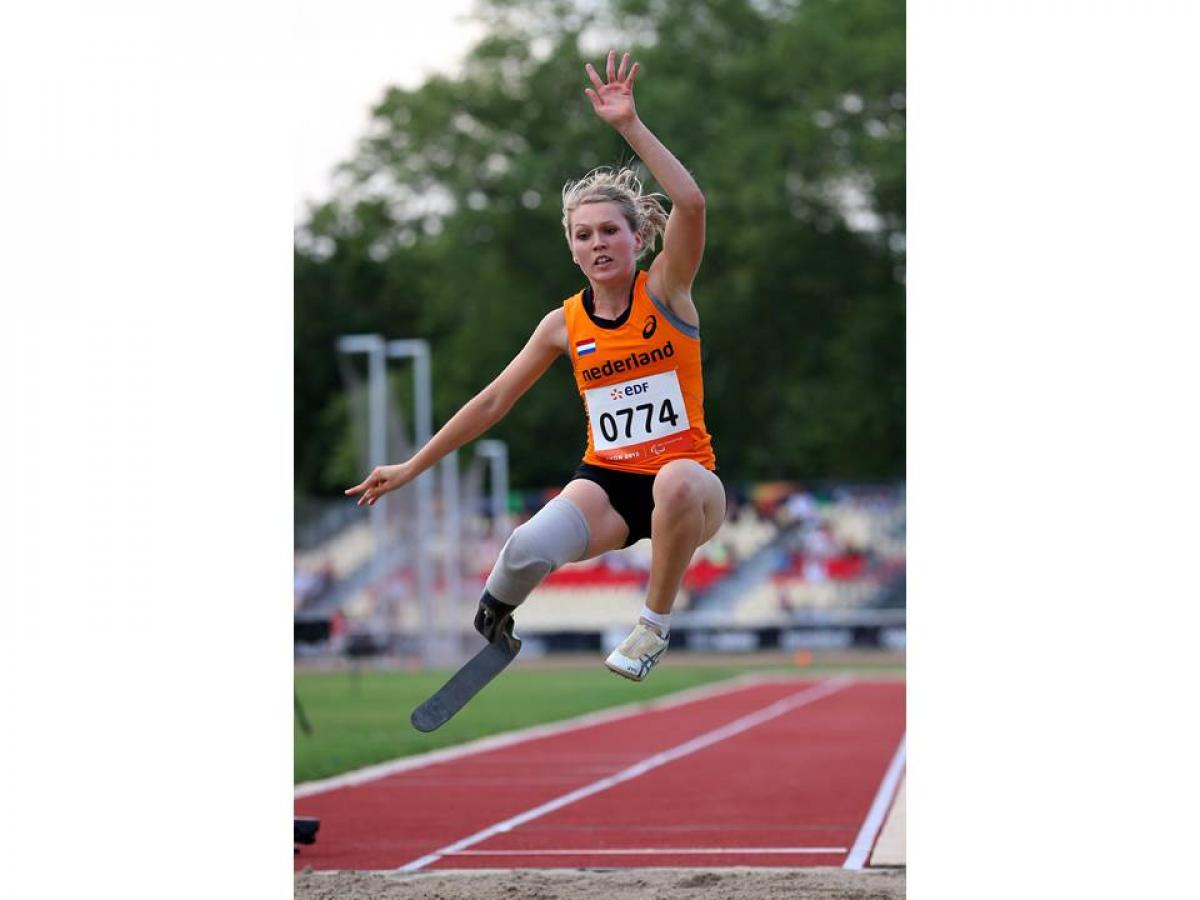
[(786, 555), (345, 551), (839, 555)]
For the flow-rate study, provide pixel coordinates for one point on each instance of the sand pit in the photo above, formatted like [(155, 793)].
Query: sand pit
[(595, 884)]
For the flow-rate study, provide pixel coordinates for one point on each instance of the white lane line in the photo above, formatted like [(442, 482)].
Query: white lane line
[(776, 709), (664, 851), (874, 821), (495, 742)]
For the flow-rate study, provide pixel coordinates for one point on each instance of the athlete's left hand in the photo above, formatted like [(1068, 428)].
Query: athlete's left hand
[(613, 102)]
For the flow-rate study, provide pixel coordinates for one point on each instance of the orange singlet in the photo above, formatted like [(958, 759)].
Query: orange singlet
[(640, 382)]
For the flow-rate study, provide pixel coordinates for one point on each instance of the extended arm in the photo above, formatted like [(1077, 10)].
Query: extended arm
[(478, 414), (674, 270)]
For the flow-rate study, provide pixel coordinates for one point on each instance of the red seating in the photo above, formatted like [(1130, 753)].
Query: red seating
[(703, 573), (837, 568), (594, 576)]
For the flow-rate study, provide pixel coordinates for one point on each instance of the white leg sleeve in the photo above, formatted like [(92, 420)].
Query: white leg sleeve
[(557, 534)]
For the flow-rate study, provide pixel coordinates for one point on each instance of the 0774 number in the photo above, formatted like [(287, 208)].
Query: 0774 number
[(612, 431)]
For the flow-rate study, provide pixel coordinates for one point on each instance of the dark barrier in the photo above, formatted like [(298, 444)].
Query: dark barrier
[(736, 640), (878, 630), (311, 631)]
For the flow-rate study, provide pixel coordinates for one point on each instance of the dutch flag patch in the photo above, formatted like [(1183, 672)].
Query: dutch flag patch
[(583, 348)]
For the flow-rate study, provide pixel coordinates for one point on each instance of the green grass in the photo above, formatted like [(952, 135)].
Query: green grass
[(362, 718)]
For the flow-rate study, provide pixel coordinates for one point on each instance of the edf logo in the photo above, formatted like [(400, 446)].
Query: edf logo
[(630, 390)]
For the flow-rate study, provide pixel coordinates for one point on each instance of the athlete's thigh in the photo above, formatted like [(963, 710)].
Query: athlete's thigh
[(608, 530), (708, 488)]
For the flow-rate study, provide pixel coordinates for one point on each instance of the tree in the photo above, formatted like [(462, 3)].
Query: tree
[(791, 115)]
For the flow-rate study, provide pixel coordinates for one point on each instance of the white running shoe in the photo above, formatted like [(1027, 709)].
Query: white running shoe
[(638, 653)]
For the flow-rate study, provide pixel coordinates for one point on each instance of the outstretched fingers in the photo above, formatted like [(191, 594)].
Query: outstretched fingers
[(620, 80), (370, 488), (591, 73), (625, 73)]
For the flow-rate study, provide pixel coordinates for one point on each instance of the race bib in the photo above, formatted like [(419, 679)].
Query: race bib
[(644, 410)]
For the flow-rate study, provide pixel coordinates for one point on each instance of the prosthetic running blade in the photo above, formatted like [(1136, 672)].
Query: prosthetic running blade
[(468, 681)]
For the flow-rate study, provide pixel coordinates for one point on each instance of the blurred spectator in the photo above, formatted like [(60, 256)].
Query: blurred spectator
[(310, 585), (801, 508), (819, 541), (303, 582), (814, 570)]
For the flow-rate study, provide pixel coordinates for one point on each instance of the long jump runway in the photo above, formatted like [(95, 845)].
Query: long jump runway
[(753, 773)]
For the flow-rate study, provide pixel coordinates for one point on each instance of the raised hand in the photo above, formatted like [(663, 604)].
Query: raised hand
[(381, 480), (613, 101)]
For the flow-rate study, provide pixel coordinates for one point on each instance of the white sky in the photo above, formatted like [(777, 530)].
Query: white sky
[(346, 53)]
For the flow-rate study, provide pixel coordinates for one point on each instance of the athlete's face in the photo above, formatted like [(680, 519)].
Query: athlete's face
[(602, 243)]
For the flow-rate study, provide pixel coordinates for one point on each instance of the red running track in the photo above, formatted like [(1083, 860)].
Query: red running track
[(775, 773)]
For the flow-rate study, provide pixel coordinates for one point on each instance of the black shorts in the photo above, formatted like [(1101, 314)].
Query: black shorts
[(630, 493)]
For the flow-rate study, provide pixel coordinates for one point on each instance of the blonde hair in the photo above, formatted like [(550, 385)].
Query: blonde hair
[(643, 212)]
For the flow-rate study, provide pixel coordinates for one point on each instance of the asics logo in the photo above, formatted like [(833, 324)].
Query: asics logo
[(648, 662)]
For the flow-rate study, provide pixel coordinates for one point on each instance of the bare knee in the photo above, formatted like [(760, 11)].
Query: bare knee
[(684, 489), (678, 489)]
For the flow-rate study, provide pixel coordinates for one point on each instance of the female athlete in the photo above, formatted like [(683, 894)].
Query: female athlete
[(633, 339)]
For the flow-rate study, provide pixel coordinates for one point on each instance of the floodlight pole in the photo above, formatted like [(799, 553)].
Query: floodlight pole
[(373, 346), (418, 350), (452, 531), (496, 453)]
